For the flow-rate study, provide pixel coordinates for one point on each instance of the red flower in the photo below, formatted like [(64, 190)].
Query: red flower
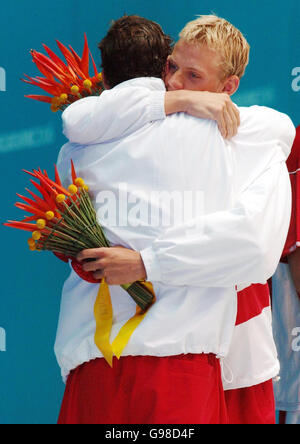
[(60, 76), (41, 207)]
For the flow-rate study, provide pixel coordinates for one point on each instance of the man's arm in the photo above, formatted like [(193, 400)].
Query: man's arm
[(262, 126), (237, 246), (206, 105), (242, 245), (90, 120)]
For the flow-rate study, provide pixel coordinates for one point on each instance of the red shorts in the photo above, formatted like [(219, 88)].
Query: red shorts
[(184, 389), (252, 405)]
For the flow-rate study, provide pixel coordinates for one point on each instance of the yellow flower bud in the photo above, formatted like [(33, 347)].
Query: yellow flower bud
[(87, 84), (54, 108), (73, 189), (31, 242), (63, 97), (74, 89), (50, 215), (41, 224), (79, 182), (36, 235), (55, 101), (100, 77), (60, 198), (86, 188)]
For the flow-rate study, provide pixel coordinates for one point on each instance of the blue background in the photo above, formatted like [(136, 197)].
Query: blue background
[(31, 389)]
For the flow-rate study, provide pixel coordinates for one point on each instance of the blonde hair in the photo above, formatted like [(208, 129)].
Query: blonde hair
[(222, 37)]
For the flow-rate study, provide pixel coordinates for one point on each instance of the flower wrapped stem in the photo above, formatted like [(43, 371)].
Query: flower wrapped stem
[(66, 223)]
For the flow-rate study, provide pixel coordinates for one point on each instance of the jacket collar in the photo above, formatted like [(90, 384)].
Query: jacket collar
[(153, 83)]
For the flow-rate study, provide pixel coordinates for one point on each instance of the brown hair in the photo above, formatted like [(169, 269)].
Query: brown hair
[(222, 37), (134, 47)]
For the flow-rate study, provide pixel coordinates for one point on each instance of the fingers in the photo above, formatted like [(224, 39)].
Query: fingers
[(238, 116), (216, 106), (96, 261), (98, 275), (230, 125), (94, 265), (234, 120), (94, 253), (229, 120), (222, 125)]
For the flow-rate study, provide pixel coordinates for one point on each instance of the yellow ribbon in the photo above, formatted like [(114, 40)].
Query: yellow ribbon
[(103, 312)]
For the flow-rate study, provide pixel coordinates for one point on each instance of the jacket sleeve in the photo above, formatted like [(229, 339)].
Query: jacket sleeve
[(93, 119), (262, 125), (293, 165), (233, 247)]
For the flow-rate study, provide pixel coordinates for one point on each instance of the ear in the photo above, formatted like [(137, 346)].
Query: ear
[(106, 85), (166, 69), (231, 85)]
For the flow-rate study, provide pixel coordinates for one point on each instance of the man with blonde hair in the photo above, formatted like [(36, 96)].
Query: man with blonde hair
[(241, 240), (225, 39), (220, 53)]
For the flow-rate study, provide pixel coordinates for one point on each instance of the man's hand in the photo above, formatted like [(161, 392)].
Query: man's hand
[(118, 265), (206, 105), (215, 106)]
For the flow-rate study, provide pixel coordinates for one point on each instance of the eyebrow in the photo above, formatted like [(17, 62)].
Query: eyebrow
[(172, 60)]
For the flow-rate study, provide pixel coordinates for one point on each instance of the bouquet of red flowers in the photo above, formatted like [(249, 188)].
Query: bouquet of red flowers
[(64, 221)]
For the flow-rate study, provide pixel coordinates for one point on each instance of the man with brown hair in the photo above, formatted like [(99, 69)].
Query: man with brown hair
[(169, 372), (139, 47), (137, 51)]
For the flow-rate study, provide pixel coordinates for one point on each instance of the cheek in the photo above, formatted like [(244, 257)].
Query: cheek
[(213, 85), (167, 77), (195, 85), (167, 69)]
